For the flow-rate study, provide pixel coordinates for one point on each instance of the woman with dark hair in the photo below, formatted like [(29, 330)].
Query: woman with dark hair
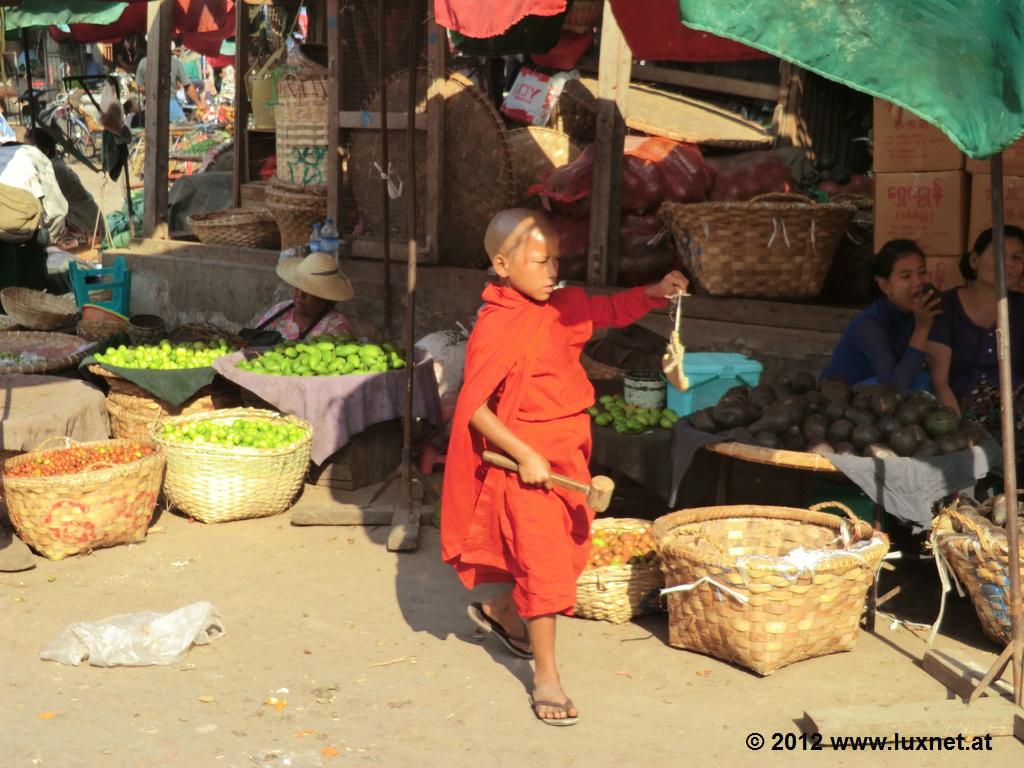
[(962, 347), (886, 342)]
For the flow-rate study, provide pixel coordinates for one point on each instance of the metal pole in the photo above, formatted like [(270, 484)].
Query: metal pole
[(33, 105), (1006, 413), (385, 206)]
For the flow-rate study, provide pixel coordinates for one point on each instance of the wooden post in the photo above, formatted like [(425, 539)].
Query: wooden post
[(159, 20), (614, 64), (385, 162), (789, 131), (1016, 644), (437, 48), (333, 32), (242, 107), (405, 524)]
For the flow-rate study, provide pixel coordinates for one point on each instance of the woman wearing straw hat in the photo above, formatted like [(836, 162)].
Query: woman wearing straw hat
[(318, 284)]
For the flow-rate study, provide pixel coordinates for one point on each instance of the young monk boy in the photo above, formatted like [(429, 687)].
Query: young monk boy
[(525, 394)]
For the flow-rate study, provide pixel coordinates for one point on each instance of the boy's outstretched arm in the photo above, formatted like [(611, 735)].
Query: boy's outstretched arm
[(625, 307), (534, 469)]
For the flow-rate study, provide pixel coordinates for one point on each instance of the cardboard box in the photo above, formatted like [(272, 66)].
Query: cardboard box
[(929, 208), (904, 142), (1013, 161), (981, 203), (944, 272)]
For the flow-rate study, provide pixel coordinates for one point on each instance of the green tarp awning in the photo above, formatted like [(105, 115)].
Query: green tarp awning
[(959, 64), (43, 13)]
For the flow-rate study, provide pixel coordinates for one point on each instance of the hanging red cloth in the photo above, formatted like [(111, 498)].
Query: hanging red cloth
[(485, 18), (654, 33)]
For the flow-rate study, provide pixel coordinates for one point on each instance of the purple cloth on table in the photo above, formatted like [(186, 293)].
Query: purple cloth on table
[(339, 407)]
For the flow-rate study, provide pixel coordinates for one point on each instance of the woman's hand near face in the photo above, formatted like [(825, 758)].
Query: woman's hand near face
[(927, 306)]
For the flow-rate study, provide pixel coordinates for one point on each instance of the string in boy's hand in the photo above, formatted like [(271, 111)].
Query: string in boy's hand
[(671, 285)]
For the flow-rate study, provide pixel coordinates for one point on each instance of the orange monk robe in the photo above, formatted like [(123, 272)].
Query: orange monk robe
[(523, 359)]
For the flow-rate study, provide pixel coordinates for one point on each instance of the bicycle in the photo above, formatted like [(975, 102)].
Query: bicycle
[(77, 130)]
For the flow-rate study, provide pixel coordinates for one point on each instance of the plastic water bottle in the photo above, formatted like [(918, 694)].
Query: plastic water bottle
[(329, 238), (314, 239)]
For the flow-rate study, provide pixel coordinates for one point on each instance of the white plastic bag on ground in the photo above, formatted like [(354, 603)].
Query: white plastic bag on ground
[(137, 639), (448, 350)]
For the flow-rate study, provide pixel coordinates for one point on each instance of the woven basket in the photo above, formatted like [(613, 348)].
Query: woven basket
[(38, 310), (66, 515), (301, 136), (99, 330), (60, 350), (133, 410), (478, 178), (751, 605), (775, 246), (583, 16), (240, 227), (617, 593), (146, 329), (296, 209), (537, 151), (575, 113), (215, 484), (978, 553)]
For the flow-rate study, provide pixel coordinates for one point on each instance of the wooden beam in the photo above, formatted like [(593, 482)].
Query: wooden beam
[(702, 82), (159, 20), (956, 670), (614, 65), (242, 107), (787, 122), (397, 121), (437, 47), (991, 716), (334, 43), (1018, 727)]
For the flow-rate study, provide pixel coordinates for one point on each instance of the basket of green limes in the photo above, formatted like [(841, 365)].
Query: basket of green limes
[(613, 411), (233, 464)]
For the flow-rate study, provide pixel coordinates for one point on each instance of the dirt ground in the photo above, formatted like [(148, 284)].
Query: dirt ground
[(378, 665)]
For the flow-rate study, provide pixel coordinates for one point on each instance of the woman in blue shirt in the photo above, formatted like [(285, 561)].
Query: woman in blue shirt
[(962, 352), (886, 342)]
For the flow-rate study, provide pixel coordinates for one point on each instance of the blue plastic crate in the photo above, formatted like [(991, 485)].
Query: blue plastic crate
[(108, 287), (711, 375)]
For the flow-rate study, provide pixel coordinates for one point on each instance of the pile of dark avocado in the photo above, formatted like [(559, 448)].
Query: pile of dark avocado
[(802, 414)]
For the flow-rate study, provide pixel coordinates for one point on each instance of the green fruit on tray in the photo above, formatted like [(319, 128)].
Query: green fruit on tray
[(325, 355), (166, 356), (241, 433), (613, 411)]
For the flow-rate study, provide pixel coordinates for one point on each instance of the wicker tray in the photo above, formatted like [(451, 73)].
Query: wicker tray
[(775, 246), (535, 152), (979, 556), (478, 179), (617, 593), (38, 310), (774, 457), (240, 227), (747, 602), (61, 350), (66, 515), (215, 484)]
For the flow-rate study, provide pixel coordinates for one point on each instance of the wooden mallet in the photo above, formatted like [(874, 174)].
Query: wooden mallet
[(599, 492)]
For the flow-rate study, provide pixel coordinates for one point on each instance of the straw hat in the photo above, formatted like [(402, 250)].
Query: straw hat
[(317, 275)]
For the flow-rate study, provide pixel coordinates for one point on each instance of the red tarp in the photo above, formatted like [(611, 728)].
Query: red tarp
[(486, 18), (201, 24)]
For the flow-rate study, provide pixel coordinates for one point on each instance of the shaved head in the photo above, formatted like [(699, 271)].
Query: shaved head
[(510, 230)]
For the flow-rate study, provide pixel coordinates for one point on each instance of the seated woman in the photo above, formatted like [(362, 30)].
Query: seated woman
[(318, 284), (962, 353), (83, 213), (886, 342)]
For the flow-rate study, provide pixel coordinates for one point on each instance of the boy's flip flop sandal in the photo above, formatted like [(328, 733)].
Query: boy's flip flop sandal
[(492, 627), (565, 707)]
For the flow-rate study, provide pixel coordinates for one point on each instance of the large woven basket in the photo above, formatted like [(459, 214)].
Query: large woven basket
[(215, 484), (979, 556), (240, 227), (99, 330), (478, 178), (764, 587), (38, 310), (296, 208), (537, 151), (301, 134), (133, 411), (775, 246), (58, 350), (69, 514), (617, 593)]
